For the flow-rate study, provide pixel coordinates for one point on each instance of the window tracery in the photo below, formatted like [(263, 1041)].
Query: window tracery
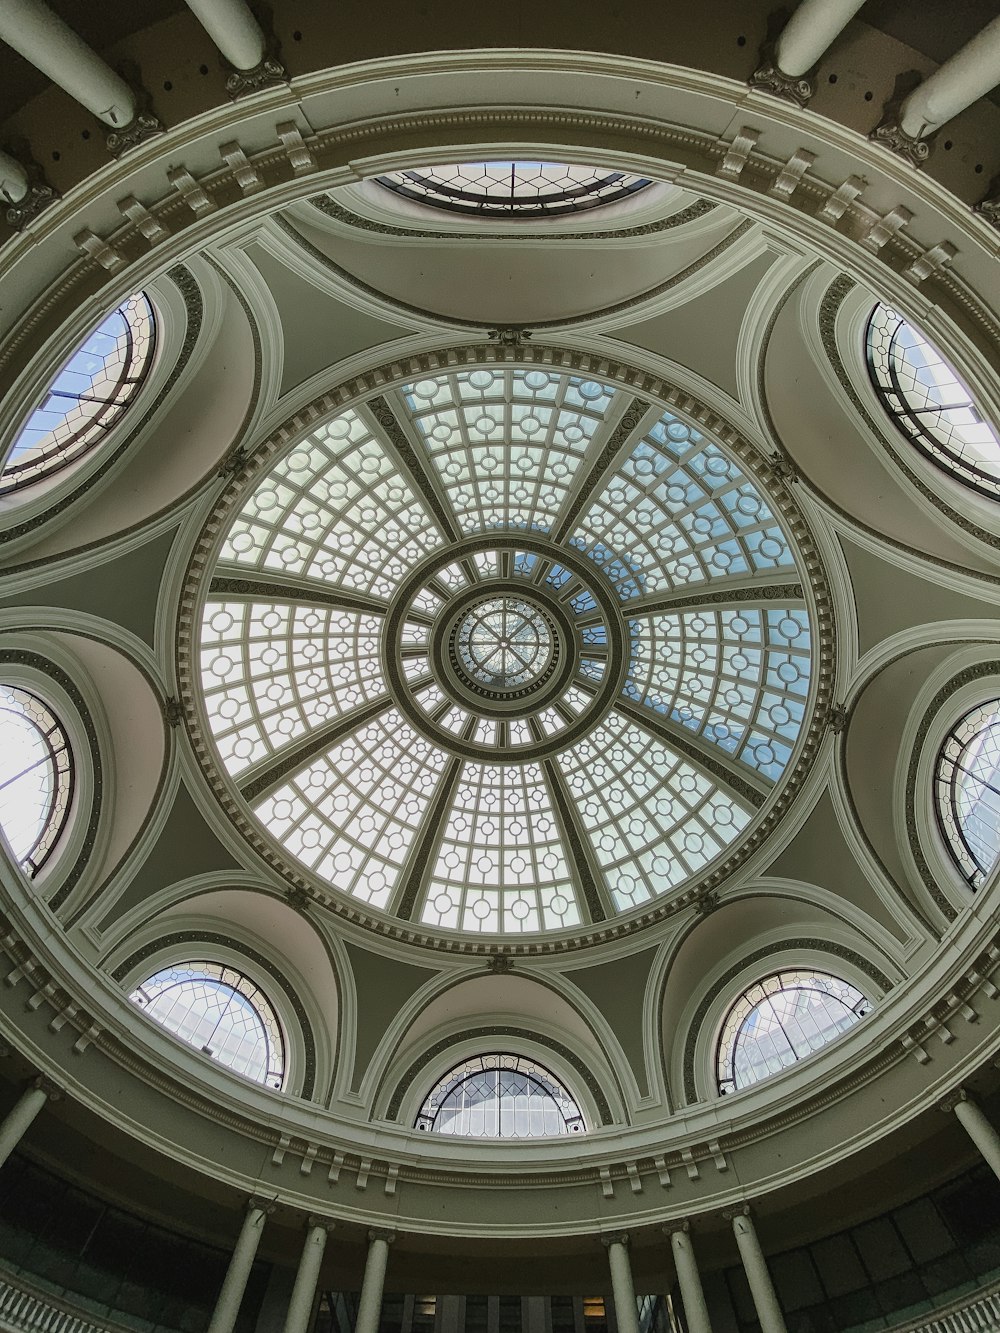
[(929, 403), (513, 189), (221, 1012), (87, 397), (780, 1020), (36, 777), (967, 791), (500, 1096)]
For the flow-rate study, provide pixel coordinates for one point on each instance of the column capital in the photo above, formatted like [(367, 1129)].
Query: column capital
[(52, 1090), (678, 1224), (382, 1233), (615, 1238), (314, 1222), (737, 1210), (952, 1100), (262, 1203)]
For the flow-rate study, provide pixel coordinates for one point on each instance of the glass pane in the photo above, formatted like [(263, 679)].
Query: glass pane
[(967, 788), (500, 1097), (504, 189), (36, 777)]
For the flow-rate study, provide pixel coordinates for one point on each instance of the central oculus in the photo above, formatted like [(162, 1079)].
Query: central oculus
[(504, 643)]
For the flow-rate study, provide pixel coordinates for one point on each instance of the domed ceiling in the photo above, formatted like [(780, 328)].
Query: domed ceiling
[(504, 650)]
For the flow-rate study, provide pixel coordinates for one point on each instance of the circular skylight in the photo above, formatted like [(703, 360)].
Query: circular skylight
[(930, 404), (513, 189), (503, 650)]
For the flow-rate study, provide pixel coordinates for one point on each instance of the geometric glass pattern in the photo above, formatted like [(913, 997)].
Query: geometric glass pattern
[(443, 662), (782, 1019), (967, 789), (87, 397), (500, 1097), (36, 777), (220, 1012), (930, 404), (513, 189)]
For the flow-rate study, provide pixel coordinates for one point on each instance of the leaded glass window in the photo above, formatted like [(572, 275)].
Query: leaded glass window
[(221, 1012), (500, 1097), (36, 777), (930, 404), (782, 1019), (499, 651), (88, 396), (967, 791), (513, 189)]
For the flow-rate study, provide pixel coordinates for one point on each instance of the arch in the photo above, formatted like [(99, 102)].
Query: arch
[(967, 795), (36, 776), (499, 1096)]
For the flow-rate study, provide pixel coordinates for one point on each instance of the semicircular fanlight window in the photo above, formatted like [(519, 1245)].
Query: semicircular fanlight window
[(929, 403), (500, 1097), (783, 1019), (221, 1012), (36, 777), (87, 397), (513, 189), (967, 784)]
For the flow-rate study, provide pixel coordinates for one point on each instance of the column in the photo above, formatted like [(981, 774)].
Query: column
[(13, 179), (31, 1101), (978, 1128), (52, 46), (968, 75), (626, 1310), (765, 1298), (233, 29), (304, 1292), (810, 32), (370, 1304), (689, 1279), (227, 1307)]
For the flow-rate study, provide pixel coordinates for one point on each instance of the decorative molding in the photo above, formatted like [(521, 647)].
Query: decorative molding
[(769, 77), (759, 956), (270, 73), (583, 1070), (208, 937), (890, 134), (144, 126)]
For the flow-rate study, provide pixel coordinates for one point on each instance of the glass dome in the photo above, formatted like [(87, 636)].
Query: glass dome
[(513, 189), (505, 650)]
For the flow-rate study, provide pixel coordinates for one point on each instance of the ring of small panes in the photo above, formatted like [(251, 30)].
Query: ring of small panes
[(513, 189), (36, 777), (780, 1020), (222, 1013), (685, 651), (967, 791), (500, 1097), (929, 403), (87, 397), (504, 644)]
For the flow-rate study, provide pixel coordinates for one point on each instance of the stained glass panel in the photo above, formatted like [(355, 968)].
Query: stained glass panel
[(500, 1097)]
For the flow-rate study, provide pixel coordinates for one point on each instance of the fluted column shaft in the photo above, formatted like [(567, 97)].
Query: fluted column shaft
[(765, 1298), (52, 46), (13, 179), (227, 1307), (979, 1130), (810, 31), (23, 1112), (370, 1304), (233, 29), (689, 1279), (304, 1291), (622, 1288), (968, 75)]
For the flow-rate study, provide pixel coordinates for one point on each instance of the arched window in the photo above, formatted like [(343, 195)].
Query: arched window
[(221, 1012), (967, 787), (929, 403), (87, 397), (513, 189), (36, 776), (500, 1097), (782, 1019)]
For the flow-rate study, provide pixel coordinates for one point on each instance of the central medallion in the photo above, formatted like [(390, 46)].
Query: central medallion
[(504, 643)]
